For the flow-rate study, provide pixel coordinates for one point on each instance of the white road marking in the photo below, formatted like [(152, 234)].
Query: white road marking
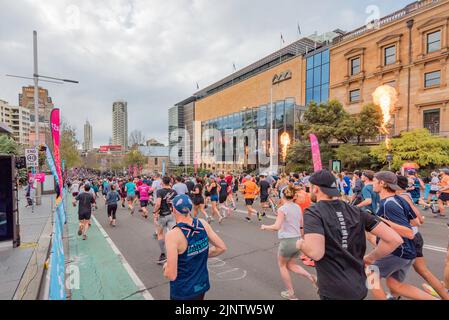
[(146, 294), (435, 248), (428, 247)]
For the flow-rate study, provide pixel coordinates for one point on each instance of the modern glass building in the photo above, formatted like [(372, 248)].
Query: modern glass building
[(282, 115), (317, 76)]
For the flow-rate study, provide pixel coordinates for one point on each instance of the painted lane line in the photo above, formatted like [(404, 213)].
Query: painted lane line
[(145, 293), (434, 248)]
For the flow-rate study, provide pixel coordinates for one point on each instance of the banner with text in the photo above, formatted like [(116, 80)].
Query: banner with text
[(55, 126)]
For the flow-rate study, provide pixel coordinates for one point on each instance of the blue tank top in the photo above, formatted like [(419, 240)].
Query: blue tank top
[(193, 277)]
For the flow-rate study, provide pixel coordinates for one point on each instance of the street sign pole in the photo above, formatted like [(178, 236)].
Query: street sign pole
[(36, 109)]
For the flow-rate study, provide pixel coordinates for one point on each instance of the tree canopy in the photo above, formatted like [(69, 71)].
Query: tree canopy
[(134, 157), (330, 121), (8, 145), (418, 146), (69, 146)]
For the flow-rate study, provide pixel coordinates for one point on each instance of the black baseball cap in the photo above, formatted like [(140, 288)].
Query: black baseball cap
[(389, 178), (326, 181)]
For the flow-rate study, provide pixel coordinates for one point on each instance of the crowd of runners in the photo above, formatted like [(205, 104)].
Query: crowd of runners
[(354, 228)]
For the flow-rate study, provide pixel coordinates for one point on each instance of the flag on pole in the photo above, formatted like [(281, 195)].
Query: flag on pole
[(197, 86), (299, 30), (282, 38), (235, 69)]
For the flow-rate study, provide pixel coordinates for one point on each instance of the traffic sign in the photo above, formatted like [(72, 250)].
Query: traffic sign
[(32, 158)]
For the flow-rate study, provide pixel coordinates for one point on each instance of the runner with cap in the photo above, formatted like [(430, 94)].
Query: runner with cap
[(163, 214), (334, 236), (433, 285), (188, 249), (398, 214)]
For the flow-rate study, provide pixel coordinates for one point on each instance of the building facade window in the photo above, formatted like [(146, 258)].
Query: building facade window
[(390, 55), (317, 77), (433, 41), (432, 121), (354, 95), (355, 66), (284, 114), (432, 79), (155, 161)]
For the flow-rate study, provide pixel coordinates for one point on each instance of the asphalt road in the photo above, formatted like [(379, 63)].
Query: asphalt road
[(248, 270)]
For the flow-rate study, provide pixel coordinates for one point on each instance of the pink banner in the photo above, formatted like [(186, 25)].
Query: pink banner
[(55, 126), (39, 177), (316, 156)]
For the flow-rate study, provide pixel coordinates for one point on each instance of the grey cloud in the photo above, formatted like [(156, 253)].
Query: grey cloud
[(151, 53)]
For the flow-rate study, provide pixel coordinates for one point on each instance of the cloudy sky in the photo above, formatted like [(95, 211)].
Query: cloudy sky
[(152, 53)]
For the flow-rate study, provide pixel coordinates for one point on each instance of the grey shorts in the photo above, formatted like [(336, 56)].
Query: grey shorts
[(166, 222), (130, 197), (393, 266), (287, 248)]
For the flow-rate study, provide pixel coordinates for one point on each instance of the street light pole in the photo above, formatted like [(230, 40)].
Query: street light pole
[(36, 111), (36, 92)]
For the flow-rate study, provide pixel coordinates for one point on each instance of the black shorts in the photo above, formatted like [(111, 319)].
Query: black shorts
[(84, 215), (249, 202), (144, 203), (74, 194), (197, 200), (206, 194), (433, 192), (419, 244), (444, 196), (222, 198), (263, 198)]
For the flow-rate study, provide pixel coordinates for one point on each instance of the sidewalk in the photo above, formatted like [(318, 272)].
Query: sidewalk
[(103, 275), (21, 269)]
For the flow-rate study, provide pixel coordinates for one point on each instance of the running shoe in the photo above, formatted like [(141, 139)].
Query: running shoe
[(248, 219), (84, 237), (155, 235), (208, 219), (287, 295), (80, 232), (220, 220), (430, 290), (162, 259), (259, 216)]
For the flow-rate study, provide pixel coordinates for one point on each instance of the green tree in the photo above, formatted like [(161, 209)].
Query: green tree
[(327, 121), (417, 146), (367, 122), (69, 146), (134, 157), (353, 157), (299, 156), (330, 121), (8, 145)]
